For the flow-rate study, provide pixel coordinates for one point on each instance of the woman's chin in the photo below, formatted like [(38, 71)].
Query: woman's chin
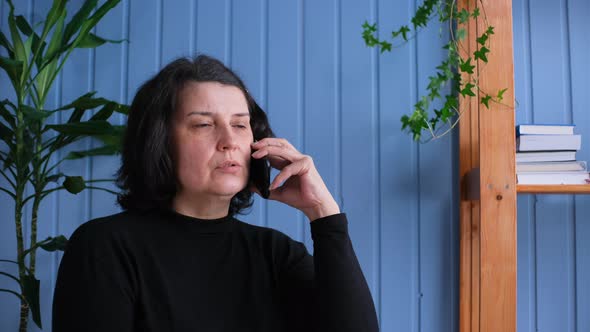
[(231, 188)]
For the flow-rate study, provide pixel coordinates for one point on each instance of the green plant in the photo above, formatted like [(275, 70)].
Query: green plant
[(450, 70), (33, 61)]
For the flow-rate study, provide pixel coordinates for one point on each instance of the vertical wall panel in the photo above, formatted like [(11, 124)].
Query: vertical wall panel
[(359, 159), (400, 294), (143, 34), (214, 28), (434, 201), (319, 90), (553, 212), (526, 275), (284, 98), (176, 29), (578, 13)]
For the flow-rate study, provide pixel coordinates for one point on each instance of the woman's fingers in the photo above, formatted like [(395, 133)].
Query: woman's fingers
[(298, 167), (273, 151)]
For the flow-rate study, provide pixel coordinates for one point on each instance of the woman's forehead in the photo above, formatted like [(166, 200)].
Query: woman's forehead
[(212, 114), (212, 99)]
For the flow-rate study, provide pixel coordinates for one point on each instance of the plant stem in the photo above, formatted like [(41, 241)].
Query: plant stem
[(32, 257), (24, 315)]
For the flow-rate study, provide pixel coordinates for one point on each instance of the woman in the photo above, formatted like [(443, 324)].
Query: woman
[(177, 259)]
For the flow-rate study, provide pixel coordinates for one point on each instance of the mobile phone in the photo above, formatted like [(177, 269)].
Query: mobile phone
[(260, 168), (260, 175)]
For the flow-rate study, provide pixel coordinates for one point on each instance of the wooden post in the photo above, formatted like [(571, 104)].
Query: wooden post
[(487, 157)]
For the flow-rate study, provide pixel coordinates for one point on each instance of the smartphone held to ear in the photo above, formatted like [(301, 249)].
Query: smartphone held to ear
[(260, 175)]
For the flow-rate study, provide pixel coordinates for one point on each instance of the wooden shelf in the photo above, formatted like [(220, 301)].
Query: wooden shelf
[(553, 189)]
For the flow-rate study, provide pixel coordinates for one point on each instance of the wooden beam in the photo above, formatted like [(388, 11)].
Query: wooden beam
[(488, 224)]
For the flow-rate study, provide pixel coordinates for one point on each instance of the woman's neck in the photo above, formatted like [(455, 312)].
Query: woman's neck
[(201, 207)]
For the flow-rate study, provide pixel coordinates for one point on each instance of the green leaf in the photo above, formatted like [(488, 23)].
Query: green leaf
[(85, 102), (7, 135), (78, 19), (55, 244), (13, 69), (91, 41), (490, 30), (105, 112), (74, 184), (54, 178), (87, 128), (9, 117), (468, 90), (123, 109), (461, 33), (31, 293), (49, 244), (501, 94), (481, 54), (23, 25), (475, 13), (57, 9), (404, 30), (107, 150), (32, 114), (89, 23), (486, 100), (385, 46), (4, 42), (115, 137), (19, 47), (466, 66), (463, 16), (37, 45), (56, 41), (482, 39)]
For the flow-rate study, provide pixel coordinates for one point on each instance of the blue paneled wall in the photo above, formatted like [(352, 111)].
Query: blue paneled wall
[(552, 83), (340, 102)]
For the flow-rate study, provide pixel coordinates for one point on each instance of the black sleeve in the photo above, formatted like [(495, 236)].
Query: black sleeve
[(327, 292), (93, 291)]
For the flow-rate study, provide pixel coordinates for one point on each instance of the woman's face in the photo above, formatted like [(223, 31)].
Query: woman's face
[(212, 137)]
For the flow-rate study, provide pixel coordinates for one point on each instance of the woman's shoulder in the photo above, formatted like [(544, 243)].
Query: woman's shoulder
[(103, 230), (270, 237)]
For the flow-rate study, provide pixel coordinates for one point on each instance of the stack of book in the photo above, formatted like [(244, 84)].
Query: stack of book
[(546, 154)]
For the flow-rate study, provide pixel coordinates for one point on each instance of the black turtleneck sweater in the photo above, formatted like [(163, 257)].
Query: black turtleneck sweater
[(163, 271)]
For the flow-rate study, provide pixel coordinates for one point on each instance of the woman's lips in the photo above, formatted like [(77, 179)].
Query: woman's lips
[(229, 169)]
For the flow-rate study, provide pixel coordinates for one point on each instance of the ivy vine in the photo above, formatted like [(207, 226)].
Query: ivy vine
[(440, 121)]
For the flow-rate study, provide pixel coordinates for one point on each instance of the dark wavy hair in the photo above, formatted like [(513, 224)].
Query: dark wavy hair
[(147, 176)]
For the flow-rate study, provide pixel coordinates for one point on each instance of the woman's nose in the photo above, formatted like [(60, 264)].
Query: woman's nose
[(227, 139)]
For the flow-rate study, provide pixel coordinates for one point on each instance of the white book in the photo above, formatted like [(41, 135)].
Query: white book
[(548, 142), (536, 129), (553, 178), (537, 156), (551, 166)]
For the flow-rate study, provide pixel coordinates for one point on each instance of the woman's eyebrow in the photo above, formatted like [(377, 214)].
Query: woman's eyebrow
[(211, 114)]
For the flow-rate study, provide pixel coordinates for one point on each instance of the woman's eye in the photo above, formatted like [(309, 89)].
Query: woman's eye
[(240, 126), (201, 125)]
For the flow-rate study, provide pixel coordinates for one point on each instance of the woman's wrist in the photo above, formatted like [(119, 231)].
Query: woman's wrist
[(322, 210)]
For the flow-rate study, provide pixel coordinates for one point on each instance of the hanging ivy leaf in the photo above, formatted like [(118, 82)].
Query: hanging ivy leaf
[(500, 95), (482, 54), (468, 90), (466, 66), (486, 100)]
